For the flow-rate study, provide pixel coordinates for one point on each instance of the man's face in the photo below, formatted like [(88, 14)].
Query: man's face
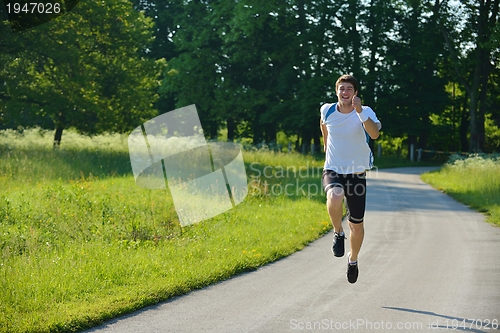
[(345, 93)]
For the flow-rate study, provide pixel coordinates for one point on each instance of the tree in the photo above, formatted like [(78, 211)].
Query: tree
[(86, 69), (230, 59), (477, 32), (258, 67), (414, 90)]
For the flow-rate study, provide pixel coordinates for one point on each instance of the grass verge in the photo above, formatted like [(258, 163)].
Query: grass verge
[(474, 181), (76, 284), (81, 243)]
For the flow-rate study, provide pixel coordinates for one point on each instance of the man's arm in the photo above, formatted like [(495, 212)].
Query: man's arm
[(372, 128), (324, 131)]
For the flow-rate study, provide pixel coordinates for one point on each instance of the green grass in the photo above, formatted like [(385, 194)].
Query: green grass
[(474, 181), (81, 243)]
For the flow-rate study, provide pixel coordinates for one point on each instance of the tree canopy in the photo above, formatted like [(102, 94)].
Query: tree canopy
[(88, 69), (429, 68), (256, 67)]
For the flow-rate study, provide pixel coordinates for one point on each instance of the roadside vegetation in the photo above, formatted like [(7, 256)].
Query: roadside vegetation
[(473, 180), (80, 242)]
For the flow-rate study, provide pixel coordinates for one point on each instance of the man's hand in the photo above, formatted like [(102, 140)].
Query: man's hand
[(356, 103)]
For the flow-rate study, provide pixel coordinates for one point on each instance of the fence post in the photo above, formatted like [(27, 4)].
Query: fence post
[(412, 152), (379, 150), (419, 155)]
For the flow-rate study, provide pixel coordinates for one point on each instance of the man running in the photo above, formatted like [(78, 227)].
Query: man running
[(346, 127)]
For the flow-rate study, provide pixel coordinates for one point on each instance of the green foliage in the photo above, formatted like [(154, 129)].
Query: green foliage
[(473, 180), (81, 243), (392, 146), (86, 69), (257, 68), (270, 65), (28, 156), (492, 132)]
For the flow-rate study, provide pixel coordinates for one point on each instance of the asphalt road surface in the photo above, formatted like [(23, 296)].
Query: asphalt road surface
[(428, 264)]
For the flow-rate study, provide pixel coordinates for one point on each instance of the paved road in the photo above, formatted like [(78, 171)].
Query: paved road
[(428, 263)]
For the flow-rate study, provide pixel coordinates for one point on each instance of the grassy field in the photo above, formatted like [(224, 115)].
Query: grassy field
[(474, 181), (81, 243)]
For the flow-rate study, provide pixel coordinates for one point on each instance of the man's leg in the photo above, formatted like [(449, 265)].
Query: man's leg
[(356, 203), (334, 200), (333, 187), (356, 239)]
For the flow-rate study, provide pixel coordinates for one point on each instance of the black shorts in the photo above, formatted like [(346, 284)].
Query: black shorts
[(354, 186)]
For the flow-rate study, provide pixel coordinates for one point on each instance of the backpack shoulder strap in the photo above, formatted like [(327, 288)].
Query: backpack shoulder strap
[(331, 110)]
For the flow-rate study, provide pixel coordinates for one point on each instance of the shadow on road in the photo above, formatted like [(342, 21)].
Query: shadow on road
[(454, 323)]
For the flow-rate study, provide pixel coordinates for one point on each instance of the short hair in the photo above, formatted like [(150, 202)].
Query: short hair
[(349, 79)]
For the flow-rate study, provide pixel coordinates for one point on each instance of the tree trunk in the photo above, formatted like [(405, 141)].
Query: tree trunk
[(231, 128), (355, 39), (464, 126), (316, 140), (257, 127), (213, 130), (58, 136), (369, 95), (485, 26), (486, 21), (270, 134), (297, 143), (424, 134), (474, 136), (482, 107), (306, 141)]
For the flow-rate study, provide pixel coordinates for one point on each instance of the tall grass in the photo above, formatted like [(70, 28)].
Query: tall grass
[(29, 157), (473, 180), (80, 242)]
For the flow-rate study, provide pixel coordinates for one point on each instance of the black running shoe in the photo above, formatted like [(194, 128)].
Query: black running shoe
[(352, 271), (338, 248)]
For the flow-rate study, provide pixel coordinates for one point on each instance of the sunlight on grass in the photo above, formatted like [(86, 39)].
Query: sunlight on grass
[(81, 243), (474, 181)]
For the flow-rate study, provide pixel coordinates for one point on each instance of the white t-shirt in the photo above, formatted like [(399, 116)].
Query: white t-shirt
[(347, 149)]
